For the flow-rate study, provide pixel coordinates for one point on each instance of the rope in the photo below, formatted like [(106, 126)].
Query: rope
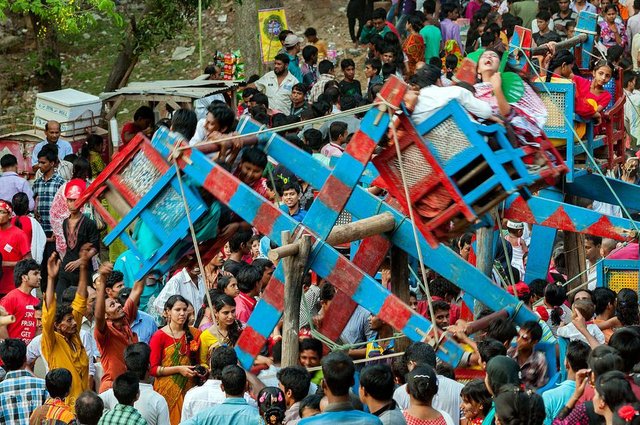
[(413, 222), (586, 151), (265, 129), (191, 228)]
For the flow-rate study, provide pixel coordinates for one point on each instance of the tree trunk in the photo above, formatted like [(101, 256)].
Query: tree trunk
[(248, 34), (48, 75), (123, 66)]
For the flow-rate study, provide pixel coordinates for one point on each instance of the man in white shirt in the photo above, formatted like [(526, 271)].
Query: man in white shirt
[(151, 405), (448, 397), (633, 24), (592, 255), (631, 105), (580, 5), (189, 283), (52, 134), (277, 84), (211, 393), (218, 119), (433, 97)]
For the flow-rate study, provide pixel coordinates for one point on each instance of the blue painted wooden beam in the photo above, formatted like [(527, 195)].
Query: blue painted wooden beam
[(591, 186), (362, 204)]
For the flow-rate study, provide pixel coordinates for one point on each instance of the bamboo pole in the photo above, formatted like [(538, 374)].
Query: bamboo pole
[(7, 320)]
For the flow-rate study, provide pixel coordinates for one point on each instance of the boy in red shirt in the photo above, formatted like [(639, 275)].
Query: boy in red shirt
[(14, 246), (21, 303)]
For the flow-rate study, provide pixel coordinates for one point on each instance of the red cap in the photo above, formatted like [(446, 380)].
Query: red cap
[(74, 188), (521, 287)]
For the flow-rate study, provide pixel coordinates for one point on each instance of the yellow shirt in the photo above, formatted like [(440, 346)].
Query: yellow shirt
[(207, 342), (60, 353), (321, 45)]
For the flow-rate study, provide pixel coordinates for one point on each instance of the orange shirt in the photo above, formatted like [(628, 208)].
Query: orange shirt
[(112, 342)]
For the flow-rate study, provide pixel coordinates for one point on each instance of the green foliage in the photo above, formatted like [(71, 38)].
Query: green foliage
[(161, 20), (68, 16)]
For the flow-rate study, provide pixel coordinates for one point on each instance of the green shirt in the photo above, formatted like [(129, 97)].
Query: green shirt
[(432, 41), (369, 31), (527, 10)]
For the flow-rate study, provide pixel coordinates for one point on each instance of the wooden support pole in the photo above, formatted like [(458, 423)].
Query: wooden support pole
[(294, 269), (357, 230), (566, 44), (484, 258), (480, 324), (574, 251), (116, 200), (400, 284), (7, 320)]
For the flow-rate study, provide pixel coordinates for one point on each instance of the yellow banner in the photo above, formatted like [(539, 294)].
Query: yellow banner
[(270, 23)]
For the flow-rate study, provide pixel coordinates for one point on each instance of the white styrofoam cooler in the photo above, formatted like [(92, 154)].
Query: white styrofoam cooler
[(75, 110)]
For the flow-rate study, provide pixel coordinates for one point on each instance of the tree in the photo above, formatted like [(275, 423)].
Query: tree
[(155, 22), (50, 19), (247, 31)]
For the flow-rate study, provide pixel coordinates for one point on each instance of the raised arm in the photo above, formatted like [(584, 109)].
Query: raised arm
[(136, 291), (99, 313), (53, 267)]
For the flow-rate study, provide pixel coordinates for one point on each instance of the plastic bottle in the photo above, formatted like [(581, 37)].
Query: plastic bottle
[(331, 52)]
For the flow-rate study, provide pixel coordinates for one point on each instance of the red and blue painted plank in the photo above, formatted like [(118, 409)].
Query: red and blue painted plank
[(572, 218)]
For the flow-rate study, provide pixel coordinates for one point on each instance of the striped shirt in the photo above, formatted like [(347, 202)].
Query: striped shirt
[(54, 410)]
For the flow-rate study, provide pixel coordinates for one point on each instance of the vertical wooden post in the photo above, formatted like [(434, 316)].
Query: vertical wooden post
[(574, 251), (575, 257), (484, 258), (400, 285), (294, 269)]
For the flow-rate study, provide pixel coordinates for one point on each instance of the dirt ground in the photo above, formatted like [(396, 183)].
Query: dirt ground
[(87, 56)]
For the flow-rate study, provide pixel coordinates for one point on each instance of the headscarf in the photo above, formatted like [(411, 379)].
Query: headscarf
[(501, 371), (6, 206)]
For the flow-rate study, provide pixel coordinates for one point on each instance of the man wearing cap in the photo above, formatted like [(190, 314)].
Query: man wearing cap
[(14, 246), (277, 84), (292, 45), (52, 137), (78, 230), (514, 237)]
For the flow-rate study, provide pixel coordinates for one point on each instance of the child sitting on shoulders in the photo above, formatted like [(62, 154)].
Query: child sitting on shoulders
[(584, 308)]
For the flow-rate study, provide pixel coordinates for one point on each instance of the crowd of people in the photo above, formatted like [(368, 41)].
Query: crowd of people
[(110, 349)]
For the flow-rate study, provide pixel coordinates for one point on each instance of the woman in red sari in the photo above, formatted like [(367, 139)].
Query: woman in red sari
[(413, 46), (174, 355)]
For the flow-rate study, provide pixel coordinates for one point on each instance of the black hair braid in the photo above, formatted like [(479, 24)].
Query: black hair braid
[(193, 355), (556, 316), (234, 331)]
